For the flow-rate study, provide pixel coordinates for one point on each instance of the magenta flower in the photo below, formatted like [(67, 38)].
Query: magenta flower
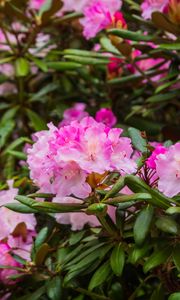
[(149, 6), (106, 116), (7, 260), (77, 112), (168, 171), (151, 161)]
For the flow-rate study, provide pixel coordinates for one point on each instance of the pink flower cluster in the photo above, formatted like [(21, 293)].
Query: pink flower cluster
[(98, 15), (61, 159), (166, 163)]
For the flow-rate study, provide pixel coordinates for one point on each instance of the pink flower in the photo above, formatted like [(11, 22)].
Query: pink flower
[(22, 246), (147, 64), (98, 15), (10, 219), (151, 161), (7, 260), (62, 158), (77, 112), (149, 6), (168, 171), (106, 116)]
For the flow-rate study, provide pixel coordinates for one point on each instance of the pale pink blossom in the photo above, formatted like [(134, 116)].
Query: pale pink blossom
[(21, 245), (77, 112), (106, 116), (7, 260), (10, 219), (168, 171), (62, 158), (149, 6)]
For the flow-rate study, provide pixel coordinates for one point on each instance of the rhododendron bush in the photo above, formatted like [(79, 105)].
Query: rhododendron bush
[(89, 150)]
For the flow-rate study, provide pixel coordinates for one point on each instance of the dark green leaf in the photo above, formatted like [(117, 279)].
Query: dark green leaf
[(54, 288), (36, 121), (100, 276), (157, 258), (167, 224), (117, 259), (137, 139), (142, 224)]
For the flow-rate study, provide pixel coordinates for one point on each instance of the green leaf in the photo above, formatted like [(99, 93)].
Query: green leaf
[(130, 35), (42, 93), (17, 154), (161, 21), (17, 143), (167, 224), (39, 63), (54, 288), (22, 67), (57, 207), (102, 247), (108, 46), (173, 210), (6, 59), (76, 237), (117, 259), (6, 129), (100, 276), (36, 121), (142, 224), (137, 139), (162, 97), (128, 198), (157, 258), (35, 295), (138, 253), (174, 296), (40, 239), (176, 257), (87, 60), (41, 254), (85, 53), (158, 293), (9, 114), (63, 65), (97, 208), (18, 207), (48, 9), (170, 46), (120, 183)]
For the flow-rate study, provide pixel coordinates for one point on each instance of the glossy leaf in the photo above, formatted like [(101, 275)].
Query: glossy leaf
[(100, 276), (142, 224), (117, 259), (157, 258)]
